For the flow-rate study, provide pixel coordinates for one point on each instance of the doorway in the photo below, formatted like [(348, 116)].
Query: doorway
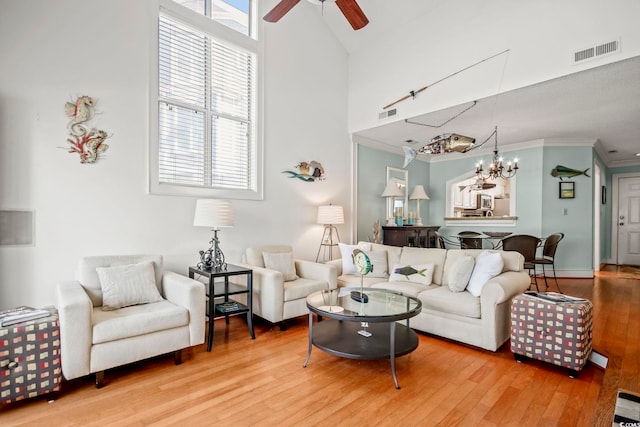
[(625, 233)]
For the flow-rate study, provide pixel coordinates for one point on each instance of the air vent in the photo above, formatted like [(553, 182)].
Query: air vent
[(389, 113), (607, 48)]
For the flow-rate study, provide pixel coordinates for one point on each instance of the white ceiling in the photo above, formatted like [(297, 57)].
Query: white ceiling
[(601, 104)]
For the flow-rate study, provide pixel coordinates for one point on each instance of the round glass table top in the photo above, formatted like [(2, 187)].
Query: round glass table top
[(382, 305)]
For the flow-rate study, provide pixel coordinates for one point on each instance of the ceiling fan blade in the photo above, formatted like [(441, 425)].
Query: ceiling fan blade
[(280, 10), (353, 13)]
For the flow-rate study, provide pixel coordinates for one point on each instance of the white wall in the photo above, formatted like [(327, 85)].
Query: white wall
[(52, 52), (541, 37)]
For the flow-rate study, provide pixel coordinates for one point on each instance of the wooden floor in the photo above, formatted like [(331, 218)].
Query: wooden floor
[(261, 382)]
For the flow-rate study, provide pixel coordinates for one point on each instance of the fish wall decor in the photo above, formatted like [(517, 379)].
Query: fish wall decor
[(564, 172), (308, 172), (85, 140)]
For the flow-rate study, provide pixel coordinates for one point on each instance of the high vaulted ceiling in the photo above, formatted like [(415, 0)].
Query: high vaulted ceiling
[(600, 104)]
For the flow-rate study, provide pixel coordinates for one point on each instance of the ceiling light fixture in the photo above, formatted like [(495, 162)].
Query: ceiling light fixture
[(496, 168)]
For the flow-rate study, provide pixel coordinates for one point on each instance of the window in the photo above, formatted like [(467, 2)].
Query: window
[(205, 140)]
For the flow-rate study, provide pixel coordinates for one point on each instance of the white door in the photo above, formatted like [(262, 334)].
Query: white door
[(629, 221)]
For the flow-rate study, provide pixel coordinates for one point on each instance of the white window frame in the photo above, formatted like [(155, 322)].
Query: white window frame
[(229, 36)]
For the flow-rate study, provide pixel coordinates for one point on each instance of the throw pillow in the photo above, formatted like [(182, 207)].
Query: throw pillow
[(416, 273), (126, 285), (488, 265), (379, 262), (282, 262), (460, 273), (346, 252)]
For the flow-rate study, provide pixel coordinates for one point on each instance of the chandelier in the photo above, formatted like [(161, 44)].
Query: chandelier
[(496, 168)]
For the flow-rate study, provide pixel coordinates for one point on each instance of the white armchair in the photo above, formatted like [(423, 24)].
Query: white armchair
[(275, 299), (93, 340)]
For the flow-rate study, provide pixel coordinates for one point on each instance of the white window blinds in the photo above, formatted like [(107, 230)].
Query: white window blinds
[(206, 110)]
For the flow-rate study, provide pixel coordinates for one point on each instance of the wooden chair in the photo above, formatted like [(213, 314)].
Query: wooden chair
[(467, 241), (527, 246), (548, 257)]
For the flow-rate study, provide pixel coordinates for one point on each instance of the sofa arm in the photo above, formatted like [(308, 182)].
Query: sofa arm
[(76, 329), (504, 287), (337, 264), (268, 293), (190, 294), (313, 270), (495, 306)]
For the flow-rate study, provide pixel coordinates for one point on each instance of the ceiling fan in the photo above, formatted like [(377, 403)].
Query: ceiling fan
[(349, 8)]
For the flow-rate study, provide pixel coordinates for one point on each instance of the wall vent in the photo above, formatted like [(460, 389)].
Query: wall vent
[(390, 113), (16, 228), (592, 52)]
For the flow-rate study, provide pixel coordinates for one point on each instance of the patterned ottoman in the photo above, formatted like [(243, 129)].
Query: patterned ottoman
[(558, 333), (30, 358)]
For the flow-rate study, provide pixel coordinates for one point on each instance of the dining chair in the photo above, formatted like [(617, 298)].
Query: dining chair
[(548, 257), (469, 241), (443, 242), (527, 246)]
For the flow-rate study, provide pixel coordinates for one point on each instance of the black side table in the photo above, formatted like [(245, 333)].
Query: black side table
[(220, 305)]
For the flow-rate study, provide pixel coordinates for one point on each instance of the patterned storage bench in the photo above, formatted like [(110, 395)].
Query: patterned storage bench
[(558, 333), (30, 358)]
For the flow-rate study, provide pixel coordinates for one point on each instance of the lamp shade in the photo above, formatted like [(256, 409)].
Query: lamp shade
[(330, 214), (419, 193), (213, 213), (392, 190)]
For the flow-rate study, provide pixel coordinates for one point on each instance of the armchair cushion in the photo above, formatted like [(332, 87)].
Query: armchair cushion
[(137, 320), (126, 285), (282, 262)]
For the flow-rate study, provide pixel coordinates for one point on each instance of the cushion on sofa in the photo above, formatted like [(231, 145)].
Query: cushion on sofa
[(433, 256), (442, 299), (488, 265), (460, 272), (393, 253), (416, 273), (379, 263), (346, 252), (407, 288)]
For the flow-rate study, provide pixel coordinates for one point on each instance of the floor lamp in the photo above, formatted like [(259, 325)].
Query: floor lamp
[(417, 195), (329, 216)]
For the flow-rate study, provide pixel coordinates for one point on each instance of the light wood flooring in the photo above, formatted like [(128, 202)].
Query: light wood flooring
[(261, 382)]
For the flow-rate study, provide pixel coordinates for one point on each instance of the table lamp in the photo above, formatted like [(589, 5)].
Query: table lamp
[(417, 195), (216, 214), (391, 191)]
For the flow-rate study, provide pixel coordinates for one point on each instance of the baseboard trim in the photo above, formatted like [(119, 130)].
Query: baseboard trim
[(569, 274)]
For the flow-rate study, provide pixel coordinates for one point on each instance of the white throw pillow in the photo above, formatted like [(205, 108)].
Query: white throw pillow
[(282, 262), (346, 252), (379, 262), (460, 273), (125, 285), (416, 273), (488, 265)]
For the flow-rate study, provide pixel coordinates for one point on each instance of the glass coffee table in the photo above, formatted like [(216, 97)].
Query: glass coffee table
[(363, 330)]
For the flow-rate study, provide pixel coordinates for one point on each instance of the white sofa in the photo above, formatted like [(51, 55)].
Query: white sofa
[(94, 340), (482, 321)]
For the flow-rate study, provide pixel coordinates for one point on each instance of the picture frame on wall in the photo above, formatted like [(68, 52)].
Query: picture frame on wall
[(567, 190)]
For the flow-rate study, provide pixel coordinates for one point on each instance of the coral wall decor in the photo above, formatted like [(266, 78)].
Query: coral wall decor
[(308, 172), (84, 139)]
